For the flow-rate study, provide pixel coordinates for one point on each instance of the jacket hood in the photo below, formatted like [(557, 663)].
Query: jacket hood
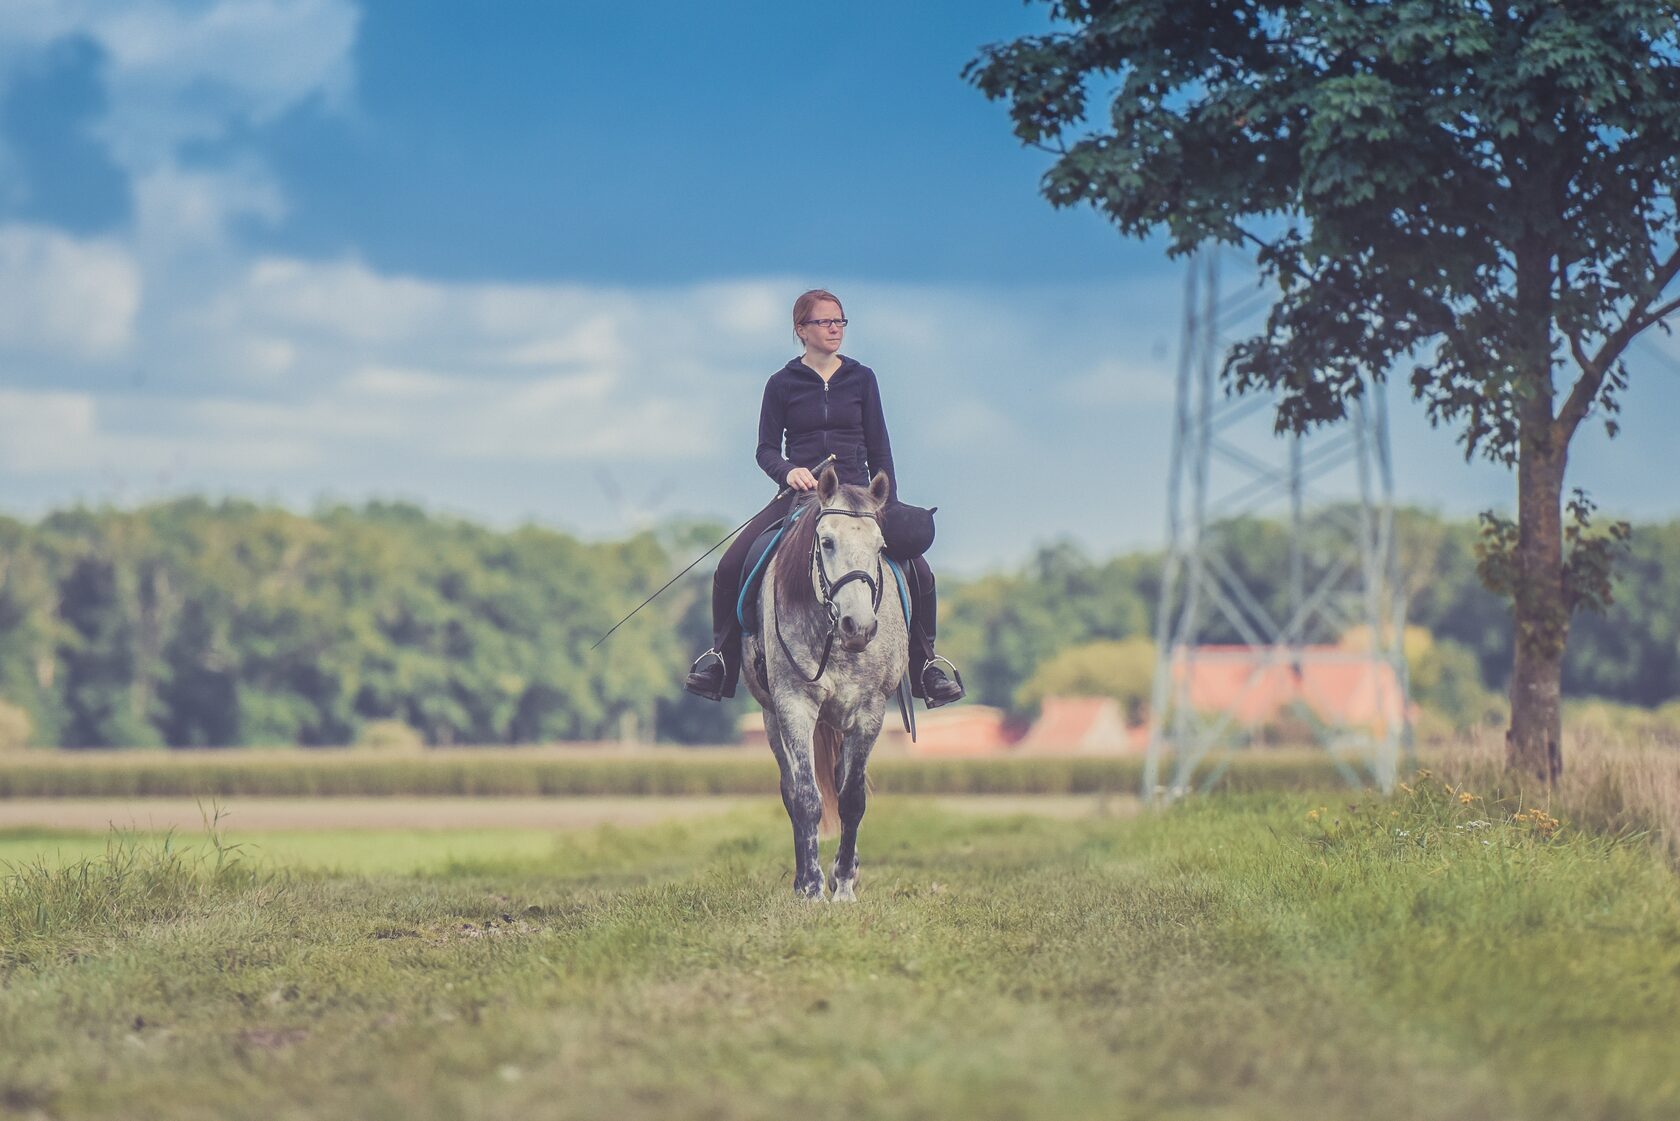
[(797, 366)]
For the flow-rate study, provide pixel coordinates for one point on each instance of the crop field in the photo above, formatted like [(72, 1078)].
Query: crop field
[(575, 772), (1432, 955)]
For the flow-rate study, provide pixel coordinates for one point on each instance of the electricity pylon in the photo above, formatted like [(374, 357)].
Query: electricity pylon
[(1225, 652)]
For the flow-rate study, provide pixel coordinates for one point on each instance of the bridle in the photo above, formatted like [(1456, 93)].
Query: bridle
[(829, 589)]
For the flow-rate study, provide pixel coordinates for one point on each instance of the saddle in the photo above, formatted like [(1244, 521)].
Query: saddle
[(759, 554), (757, 564)]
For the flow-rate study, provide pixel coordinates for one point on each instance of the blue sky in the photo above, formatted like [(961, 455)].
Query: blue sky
[(532, 261)]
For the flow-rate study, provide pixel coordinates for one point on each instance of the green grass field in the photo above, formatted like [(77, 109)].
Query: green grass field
[(1420, 957)]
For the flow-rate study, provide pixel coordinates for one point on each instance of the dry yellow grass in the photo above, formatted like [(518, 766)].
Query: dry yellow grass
[(1608, 785)]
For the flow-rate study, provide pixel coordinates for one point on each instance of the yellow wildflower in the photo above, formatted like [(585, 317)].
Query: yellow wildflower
[(1465, 798)]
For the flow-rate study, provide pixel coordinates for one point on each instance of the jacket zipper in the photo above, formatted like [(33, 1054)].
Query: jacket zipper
[(826, 446)]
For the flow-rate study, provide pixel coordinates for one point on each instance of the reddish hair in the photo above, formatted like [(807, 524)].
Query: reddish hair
[(808, 300)]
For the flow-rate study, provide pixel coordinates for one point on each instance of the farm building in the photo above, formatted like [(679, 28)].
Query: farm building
[(1082, 724), (1336, 687), (1254, 686)]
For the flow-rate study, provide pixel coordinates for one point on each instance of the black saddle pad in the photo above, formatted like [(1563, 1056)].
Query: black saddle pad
[(757, 562)]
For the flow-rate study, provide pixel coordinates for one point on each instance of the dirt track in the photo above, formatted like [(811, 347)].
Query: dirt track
[(282, 814)]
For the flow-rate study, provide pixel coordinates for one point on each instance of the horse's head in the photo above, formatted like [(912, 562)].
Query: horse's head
[(840, 533)]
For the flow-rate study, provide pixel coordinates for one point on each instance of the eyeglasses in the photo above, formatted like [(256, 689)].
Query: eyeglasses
[(825, 324)]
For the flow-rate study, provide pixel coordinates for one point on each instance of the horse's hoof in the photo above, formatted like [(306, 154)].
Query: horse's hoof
[(810, 893), (845, 891)]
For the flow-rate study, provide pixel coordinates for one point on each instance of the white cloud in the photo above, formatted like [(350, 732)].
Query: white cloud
[(384, 384), (74, 435), (177, 210), (184, 71), (45, 431), (65, 296), (177, 72), (1119, 382)]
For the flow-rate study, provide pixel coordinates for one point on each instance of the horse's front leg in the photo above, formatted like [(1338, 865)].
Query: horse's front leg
[(802, 798), (854, 796)]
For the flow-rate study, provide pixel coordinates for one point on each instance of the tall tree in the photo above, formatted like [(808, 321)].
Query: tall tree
[(1485, 191)]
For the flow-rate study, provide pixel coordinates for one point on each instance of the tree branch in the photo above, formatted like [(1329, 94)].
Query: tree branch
[(1264, 244), (1578, 350), (1661, 313), (1593, 370)]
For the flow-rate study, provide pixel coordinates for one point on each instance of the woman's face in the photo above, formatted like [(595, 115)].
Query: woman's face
[(824, 338)]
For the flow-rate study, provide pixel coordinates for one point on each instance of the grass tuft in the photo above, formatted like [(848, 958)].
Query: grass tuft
[(45, 906)]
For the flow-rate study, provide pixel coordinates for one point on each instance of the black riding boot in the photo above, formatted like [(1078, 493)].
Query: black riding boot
[(927, 679), (709, 676)]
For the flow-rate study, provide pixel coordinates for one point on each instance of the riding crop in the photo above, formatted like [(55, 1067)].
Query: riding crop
[(781, 494)]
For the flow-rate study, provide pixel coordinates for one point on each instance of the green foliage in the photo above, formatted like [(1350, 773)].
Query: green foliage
[(1398, 168), (389, 735), (1446, 680), (1631, 652), (1000, 628), (1124, 670), (15, 727), (199, 624), (1590, 558), (230, 624)]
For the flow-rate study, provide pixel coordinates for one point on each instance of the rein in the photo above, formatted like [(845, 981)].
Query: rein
[(828, 590)]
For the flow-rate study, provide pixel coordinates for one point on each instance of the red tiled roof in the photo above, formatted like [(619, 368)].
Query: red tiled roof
[(1079, 723), (965, 730), (1339, 686)]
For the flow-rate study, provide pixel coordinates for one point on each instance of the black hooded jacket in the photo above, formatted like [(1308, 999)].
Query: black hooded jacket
[(843, 416)]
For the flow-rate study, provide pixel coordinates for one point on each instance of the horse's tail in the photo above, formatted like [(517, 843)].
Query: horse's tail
[(826, 757)]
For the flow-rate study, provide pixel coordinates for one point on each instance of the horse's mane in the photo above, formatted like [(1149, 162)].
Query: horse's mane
[(793, 556)]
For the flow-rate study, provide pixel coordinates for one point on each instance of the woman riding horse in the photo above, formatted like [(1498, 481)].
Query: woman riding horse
[(820, 403)]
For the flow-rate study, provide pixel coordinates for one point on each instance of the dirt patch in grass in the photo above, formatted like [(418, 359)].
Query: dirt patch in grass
[(272, 1039), (285, 814), (186, 815)]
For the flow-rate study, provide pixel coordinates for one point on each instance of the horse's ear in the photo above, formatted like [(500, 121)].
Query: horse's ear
[(828, 485), (880, 488)]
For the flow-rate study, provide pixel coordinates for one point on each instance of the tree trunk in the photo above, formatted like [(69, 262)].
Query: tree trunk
[(1533, 744)]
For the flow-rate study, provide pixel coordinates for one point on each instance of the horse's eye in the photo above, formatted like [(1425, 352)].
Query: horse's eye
[(828, 542)]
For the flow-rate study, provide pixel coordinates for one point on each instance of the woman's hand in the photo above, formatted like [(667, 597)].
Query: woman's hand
[(800, 478)]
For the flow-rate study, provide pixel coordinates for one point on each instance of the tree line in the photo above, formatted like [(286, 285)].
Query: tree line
[(192, 623), (197, 624), (1002, 627)]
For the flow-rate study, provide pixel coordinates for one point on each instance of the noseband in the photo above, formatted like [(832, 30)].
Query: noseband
[(829, 589)]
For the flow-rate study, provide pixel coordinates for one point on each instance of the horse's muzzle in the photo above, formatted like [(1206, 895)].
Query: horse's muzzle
[(853, 637)]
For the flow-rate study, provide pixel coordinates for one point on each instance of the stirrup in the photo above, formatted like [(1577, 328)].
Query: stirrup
[(955, 675), (696, 682)]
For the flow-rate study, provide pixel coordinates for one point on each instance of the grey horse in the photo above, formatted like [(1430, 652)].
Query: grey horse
[(830, 650)]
